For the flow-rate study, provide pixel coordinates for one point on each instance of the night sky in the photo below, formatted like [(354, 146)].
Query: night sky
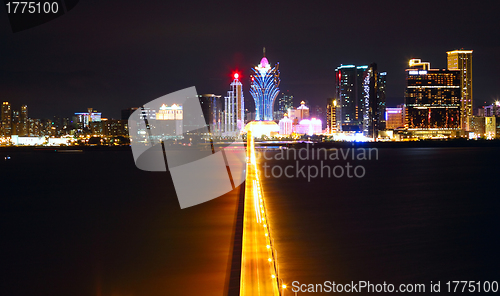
[(111, 55)]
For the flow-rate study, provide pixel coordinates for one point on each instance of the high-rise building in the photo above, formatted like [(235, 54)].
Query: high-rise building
[(285, 102), (34, 127), (264, 89), (6, 124), (462, 60), (349, 92), (432, 98), (211, 106), (331, 115), (234, 108), (23, 121), (15, 122), (374, 101)]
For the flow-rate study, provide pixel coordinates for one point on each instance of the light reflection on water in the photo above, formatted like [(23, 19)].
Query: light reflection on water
[(418, 215)]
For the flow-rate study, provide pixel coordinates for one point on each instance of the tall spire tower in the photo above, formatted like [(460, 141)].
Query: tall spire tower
[(264, 88)]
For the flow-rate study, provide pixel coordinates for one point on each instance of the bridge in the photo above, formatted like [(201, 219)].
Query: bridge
[(259, 266)]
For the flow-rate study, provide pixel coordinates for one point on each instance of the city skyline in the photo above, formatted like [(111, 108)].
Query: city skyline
[(437, 103), (249, 147)]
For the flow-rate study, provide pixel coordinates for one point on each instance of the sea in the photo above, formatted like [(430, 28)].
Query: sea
[(91, 223), (422, 216)]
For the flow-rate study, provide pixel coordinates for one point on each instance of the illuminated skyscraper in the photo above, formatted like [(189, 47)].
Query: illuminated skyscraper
[(462, 60), (374, 101), (264, 88), (23, 121), (211, 106), (350, 95), (331, 115), (234, 108), (6, 124), (432, 98), (285, 102)]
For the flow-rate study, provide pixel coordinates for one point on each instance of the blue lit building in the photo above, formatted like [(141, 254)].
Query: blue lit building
[(264, 89), (350, 95), (374, 100), (360, 99)]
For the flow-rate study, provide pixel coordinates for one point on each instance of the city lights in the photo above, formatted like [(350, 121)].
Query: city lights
[(365, 155)]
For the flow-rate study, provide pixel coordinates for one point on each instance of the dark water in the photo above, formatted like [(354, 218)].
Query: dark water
[(419, 215), (92, 224)]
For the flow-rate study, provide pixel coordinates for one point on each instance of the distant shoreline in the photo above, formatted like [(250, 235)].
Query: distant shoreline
[(75, 149), (412, 144)]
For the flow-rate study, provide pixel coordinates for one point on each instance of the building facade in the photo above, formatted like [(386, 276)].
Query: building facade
[(84, 119), (432, 97), (212, 108), (394, 118), (285, 102), (23, 130), (6, 124), (286, 126), (234, 108), (309, 127), (296, 115), (462, 60), (264, 89), (349, 91), (169, 120), (374, 101), (331, 115), (111, 128)]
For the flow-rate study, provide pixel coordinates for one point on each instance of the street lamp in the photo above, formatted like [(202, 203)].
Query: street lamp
[(283, 287)]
